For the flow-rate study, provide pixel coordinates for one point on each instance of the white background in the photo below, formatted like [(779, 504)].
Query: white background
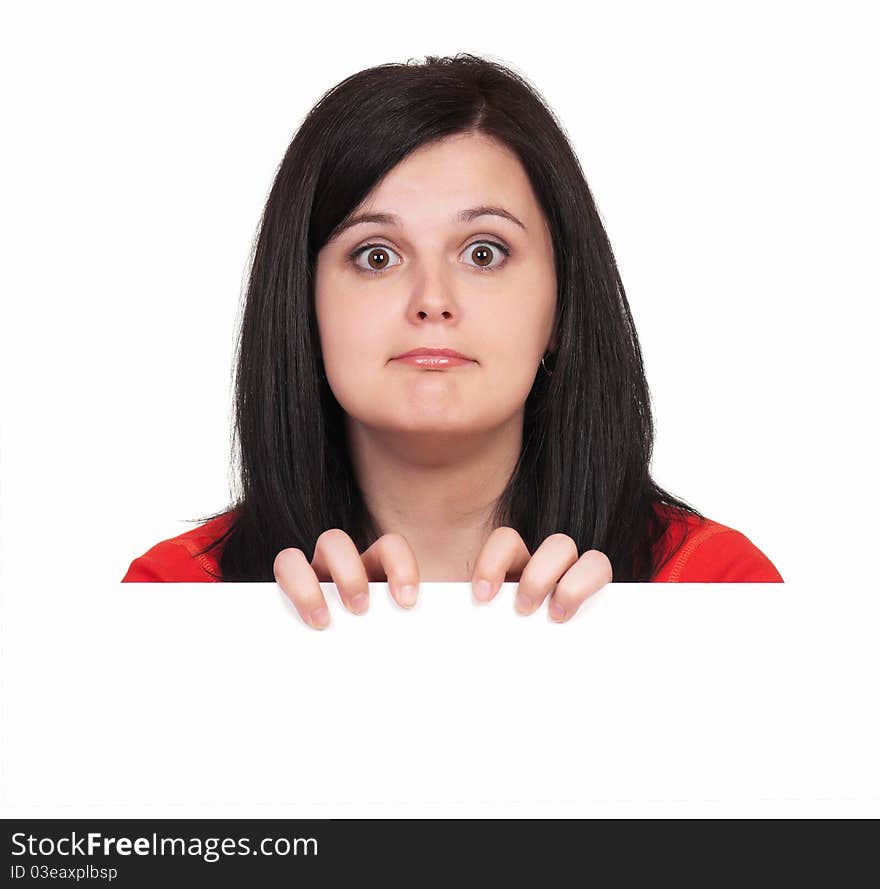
[(731, 151)]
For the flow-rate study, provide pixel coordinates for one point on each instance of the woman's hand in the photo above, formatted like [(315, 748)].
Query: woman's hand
[(554, 564), (337, 560)]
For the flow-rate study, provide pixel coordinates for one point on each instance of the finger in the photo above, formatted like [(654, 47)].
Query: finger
[(393, 558), (336, 558), (588, 575), (503, 554), (551, 560), (296, 577)]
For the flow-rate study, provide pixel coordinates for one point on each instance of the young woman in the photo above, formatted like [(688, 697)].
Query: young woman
[(438, 376)]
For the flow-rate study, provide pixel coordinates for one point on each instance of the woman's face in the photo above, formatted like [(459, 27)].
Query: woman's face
[(439, 276)]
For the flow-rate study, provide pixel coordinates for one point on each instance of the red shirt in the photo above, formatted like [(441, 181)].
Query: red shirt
[(710, 553)]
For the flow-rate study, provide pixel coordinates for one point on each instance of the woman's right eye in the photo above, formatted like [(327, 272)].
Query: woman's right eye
[(376, 257)]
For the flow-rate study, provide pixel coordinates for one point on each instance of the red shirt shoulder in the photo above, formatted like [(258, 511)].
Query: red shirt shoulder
[(711, 553), (178, 559)]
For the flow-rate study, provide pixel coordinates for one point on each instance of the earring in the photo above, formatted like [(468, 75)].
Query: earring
[(548, 372)]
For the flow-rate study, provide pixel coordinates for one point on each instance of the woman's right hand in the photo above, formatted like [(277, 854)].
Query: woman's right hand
[(336, 560)]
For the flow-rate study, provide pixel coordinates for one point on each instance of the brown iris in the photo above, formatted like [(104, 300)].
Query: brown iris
[(482, 255), (378, 255)]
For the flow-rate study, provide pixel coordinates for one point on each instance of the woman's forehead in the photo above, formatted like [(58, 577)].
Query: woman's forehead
[(452, 165), (451, 183)]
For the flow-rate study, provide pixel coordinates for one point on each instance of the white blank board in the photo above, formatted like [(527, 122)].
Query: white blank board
[(188, 700)]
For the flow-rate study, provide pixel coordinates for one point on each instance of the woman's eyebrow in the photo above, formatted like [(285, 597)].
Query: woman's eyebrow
[(390, 219)]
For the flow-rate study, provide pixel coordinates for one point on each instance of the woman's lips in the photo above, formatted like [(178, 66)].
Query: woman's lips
[(432, 361)]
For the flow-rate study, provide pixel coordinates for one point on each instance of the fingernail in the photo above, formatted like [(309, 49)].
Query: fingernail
[(359, 603), (408, 595), (483, 590), (320, 618), (557, 612), (523, 603)]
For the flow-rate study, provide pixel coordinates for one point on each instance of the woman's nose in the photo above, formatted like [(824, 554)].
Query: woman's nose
[(433, 297)]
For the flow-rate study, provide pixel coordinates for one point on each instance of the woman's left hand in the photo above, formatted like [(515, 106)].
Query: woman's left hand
[(554, 564)]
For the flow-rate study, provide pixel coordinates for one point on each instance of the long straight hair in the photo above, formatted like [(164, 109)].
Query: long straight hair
[(588, 431)]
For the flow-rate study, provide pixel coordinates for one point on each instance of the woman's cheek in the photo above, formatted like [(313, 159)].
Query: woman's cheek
[(355, 378), (505, 382)]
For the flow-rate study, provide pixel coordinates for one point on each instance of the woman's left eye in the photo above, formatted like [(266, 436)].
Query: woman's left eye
[(483, 252)]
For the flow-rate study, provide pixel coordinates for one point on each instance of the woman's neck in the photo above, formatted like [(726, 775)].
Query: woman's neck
[(438, 491)]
